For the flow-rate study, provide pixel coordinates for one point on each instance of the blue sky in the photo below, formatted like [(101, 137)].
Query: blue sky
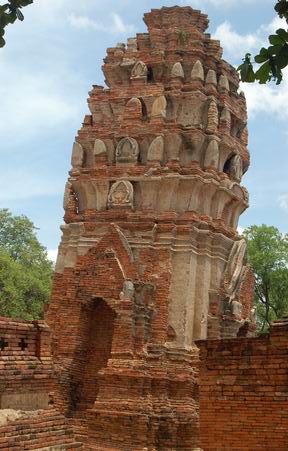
[(52, 59)]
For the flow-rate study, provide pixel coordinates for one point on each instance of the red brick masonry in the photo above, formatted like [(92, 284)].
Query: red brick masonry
[(27, 381), (47, 431), (26, 367), (244, 392)]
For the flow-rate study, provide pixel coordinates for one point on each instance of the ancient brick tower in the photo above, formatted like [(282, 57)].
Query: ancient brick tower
[(150, 258)]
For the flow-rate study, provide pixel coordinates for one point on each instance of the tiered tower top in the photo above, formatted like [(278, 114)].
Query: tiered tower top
[(172, 108)]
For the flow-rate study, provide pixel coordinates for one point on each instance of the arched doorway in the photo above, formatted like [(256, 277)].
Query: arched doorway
[(98, 343)]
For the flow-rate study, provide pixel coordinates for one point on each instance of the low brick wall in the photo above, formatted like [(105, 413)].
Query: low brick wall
[(27, 377), (26, 368), (45, 430), (244, 392)]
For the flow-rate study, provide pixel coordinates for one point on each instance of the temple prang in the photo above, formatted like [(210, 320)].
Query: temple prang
[(150, 259), (151, 268)]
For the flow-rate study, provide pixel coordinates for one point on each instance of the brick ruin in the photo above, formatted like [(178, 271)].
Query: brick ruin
[(28, 420), (150, 261), (244, 392)]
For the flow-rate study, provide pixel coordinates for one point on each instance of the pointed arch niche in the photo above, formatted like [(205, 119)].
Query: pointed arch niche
[(100, 316), (99, 319)]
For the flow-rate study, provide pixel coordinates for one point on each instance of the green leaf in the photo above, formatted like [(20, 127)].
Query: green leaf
[(268, 256), (281, 8), (263, 56), (12, 17), (246, 69), (274, 68), (19, 14), (9, 13), (22, 3), (3, 9), (274, 49), (263, 74), (260, 59), (279, 76), (274, 39), (25, 271), (247, 73), (283, 34), (264, 52), (250, 77), (282, 57), (4, 20)]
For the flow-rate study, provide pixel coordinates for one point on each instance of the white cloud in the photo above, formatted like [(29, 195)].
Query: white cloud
[(283, 201), (41, 87), (223, 3), (268, 99), (240, 230), (274, 25), (119, 25), (234, 43), (52, 254), (85, 23), (45, 13)]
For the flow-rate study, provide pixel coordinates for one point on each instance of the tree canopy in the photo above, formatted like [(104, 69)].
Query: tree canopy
[(268, 256), (25, 270), (9, 13), (272, 59)]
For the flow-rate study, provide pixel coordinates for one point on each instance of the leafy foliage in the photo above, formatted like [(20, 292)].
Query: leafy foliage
[(268, 256), (273, 59), (25, 271), (9, 13)]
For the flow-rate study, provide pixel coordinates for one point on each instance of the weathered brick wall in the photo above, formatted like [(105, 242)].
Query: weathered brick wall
[(99, 353), (26, 370), (44, 430), (244, 392), (27, 381)]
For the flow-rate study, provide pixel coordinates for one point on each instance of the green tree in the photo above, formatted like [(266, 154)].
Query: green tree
[(9, 13), (25, 270), (268, 256), (272, 59)]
